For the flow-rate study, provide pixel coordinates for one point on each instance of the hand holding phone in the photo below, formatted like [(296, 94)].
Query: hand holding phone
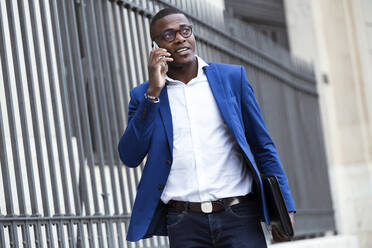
[(157, 68), (164, 64)]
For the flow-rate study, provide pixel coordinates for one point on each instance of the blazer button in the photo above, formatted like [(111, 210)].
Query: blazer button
[(160, 186), (169, 161)]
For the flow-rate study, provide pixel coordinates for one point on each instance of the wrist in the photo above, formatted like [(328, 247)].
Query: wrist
[(151, 98), (153, 91)]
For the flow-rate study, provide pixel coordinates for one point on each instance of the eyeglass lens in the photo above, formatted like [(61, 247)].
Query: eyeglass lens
[(170, 35)]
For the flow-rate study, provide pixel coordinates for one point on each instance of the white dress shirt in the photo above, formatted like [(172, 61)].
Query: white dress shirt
[(207, 164)]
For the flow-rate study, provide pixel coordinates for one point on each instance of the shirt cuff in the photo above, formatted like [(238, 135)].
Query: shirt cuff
[(152, 99)]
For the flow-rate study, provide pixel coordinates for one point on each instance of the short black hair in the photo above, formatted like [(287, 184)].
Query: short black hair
[(161, 13)]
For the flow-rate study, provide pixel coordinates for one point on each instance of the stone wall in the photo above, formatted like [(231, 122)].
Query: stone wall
[(336, 35)]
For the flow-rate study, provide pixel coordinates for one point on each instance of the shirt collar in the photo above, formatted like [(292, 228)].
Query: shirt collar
[(201, 65)]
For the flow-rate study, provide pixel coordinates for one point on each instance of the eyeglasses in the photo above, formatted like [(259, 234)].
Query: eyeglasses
[(170, 34)]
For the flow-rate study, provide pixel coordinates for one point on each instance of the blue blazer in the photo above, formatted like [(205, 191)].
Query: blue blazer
[(150, 132)]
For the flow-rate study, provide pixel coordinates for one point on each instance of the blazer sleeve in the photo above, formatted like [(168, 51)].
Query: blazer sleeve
[(260, 142), (134, 144)]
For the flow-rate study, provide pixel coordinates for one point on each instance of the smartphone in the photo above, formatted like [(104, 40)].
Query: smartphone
[(165, 65)]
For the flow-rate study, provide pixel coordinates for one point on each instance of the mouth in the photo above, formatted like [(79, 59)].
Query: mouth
[(181, 50)]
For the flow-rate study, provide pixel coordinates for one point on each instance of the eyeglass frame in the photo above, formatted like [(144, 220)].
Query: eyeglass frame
[(175, 33)]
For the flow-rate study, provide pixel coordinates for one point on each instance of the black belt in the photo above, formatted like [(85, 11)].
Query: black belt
[(209, 206)]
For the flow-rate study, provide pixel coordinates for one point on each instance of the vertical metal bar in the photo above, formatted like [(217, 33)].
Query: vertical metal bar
[(147, 6), (56, 110), (2, 236), (192, 7), (177, 4), (202, 50), (182, 4), (132, 35), (80, 240), (100, 234), (3, 152), (38, 238), (197, 7), (122, 64), (61, 234), (26, 234), (210, 9), (131, 244), (10, 109), (90, 234), (49, 234), (131, 189), (146, 25), (13, 235), (202, 10), (209, 53), (141, 46), (187, 6), (3, 157), (40, 73), (198, 48), (70, 233), (126, 46)]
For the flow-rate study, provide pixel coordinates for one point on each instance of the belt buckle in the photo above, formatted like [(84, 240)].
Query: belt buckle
[(206, 207)]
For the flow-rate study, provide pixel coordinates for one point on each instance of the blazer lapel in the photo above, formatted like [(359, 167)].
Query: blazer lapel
[(218, 90), (166, 116)]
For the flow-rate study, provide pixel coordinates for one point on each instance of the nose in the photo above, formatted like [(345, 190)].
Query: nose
[(179, 38)]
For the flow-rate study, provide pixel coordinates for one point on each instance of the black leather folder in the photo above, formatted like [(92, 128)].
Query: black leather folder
[(278, 213)]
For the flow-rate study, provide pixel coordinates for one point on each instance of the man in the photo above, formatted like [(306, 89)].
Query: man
[(199, 125)]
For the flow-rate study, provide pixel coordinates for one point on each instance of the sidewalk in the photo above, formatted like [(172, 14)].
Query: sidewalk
[(339, 241)]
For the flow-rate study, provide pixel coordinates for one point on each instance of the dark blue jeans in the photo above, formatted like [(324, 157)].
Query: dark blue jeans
[(236, 227)]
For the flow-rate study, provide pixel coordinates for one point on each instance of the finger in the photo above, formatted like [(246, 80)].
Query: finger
[(159, 50), (165, 59), (162, 59), (152, 53), (168, 59), (156, 52), (158, 55), (277, 236), (292, 220), (163, 53)]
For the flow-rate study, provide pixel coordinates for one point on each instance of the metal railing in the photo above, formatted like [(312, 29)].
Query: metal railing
[(66, 71)]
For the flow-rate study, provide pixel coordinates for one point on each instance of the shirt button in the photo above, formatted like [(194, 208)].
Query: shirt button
[(160, 186), (169, 161)]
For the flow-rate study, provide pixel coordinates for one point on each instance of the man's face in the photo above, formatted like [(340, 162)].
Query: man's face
[(182, 49)]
